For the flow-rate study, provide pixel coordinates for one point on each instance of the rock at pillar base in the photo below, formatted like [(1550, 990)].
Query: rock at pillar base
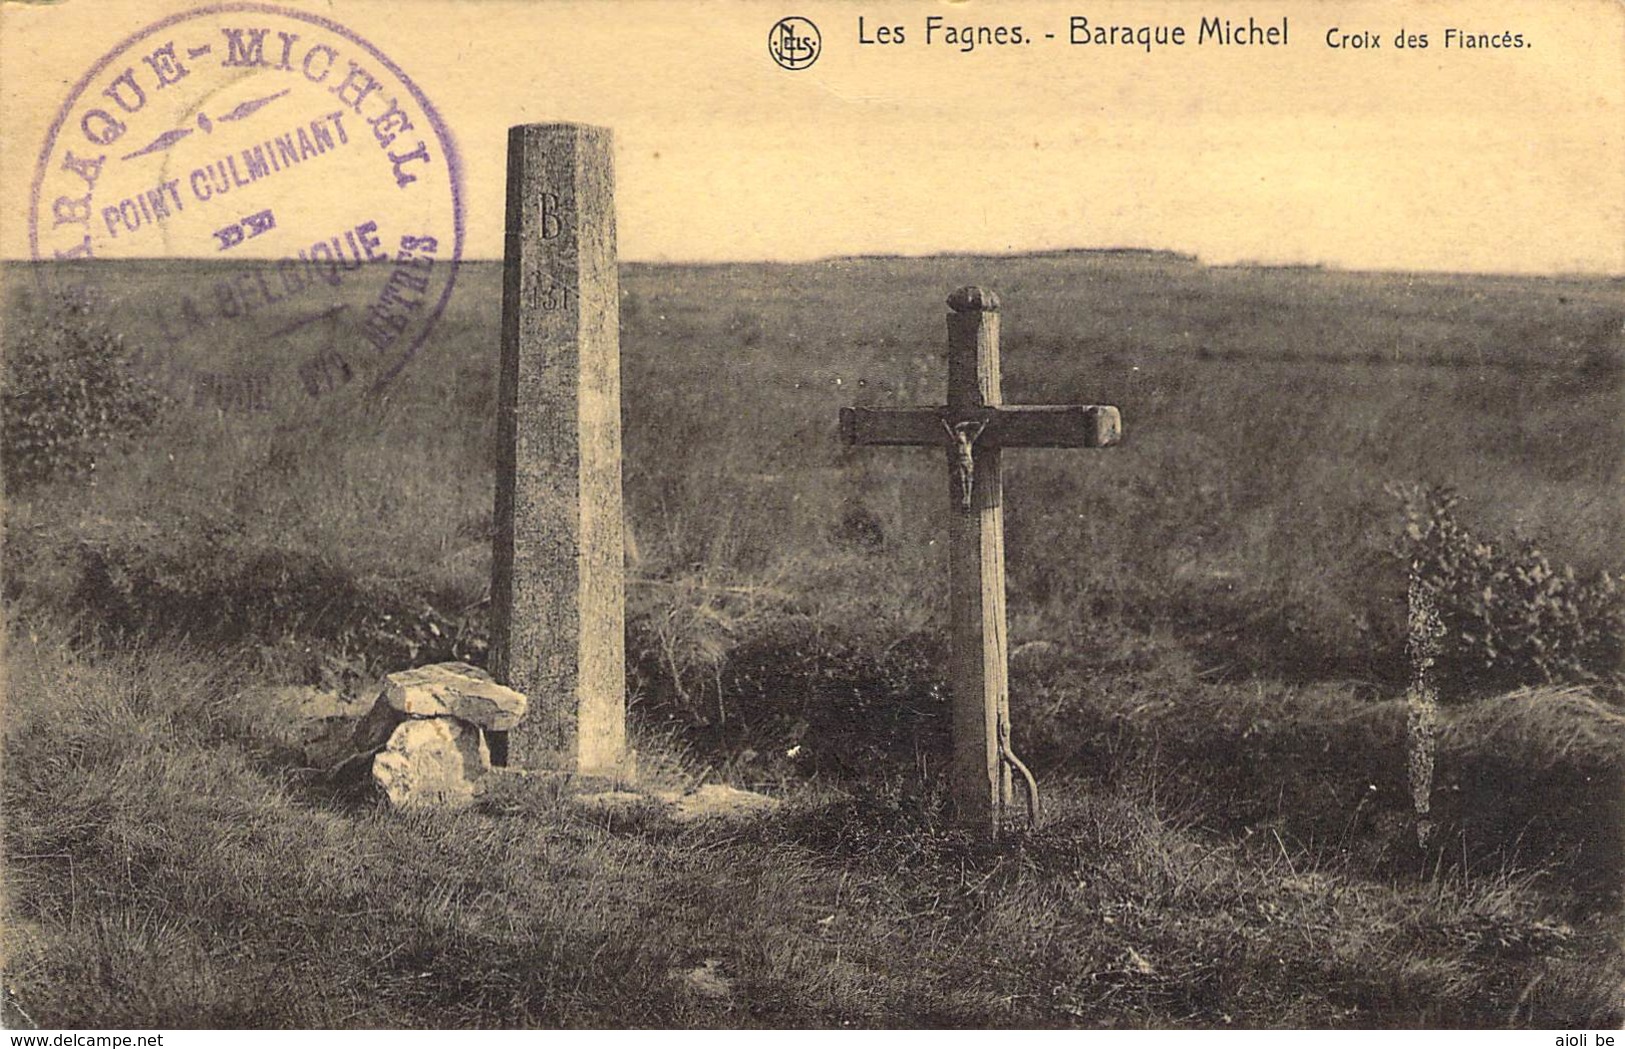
[(455, 690), (432, 763)]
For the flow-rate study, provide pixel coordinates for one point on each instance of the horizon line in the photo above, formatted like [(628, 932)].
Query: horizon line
[(1129, 250)]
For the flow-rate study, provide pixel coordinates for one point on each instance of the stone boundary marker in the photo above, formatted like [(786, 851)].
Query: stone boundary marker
[(558, 618)]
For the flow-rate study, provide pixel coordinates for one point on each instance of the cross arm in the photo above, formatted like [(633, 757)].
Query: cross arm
[(1012, 426)]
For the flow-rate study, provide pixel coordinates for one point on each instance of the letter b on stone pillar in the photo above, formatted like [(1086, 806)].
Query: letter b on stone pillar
[(558, 613)]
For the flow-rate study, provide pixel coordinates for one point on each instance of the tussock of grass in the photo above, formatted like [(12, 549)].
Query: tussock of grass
[(160, 876), (1533, 780)]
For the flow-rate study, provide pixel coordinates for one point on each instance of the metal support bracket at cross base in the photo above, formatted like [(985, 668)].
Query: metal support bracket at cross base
[(974, 427)]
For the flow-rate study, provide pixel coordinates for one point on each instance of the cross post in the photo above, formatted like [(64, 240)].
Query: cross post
[(975, 426)]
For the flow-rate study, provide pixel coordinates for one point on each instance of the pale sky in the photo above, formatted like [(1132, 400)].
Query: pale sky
[(1443, 159)]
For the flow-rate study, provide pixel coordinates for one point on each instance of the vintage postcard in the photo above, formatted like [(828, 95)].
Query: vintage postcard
[(507, 522)]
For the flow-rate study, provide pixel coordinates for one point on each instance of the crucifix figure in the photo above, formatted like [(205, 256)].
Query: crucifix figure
[(975, 426)]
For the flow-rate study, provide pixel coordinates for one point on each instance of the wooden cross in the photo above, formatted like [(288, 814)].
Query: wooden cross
[(974, 427)]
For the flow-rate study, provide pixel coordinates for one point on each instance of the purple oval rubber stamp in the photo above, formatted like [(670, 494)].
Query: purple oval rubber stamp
[(310, 187)]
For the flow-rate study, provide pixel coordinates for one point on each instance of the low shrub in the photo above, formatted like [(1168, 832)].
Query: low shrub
[(306, 616), (1509, 617), (70, 394), (1529, 780)]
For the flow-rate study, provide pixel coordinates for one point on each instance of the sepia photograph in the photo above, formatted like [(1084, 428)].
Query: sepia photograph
[(506, 526)]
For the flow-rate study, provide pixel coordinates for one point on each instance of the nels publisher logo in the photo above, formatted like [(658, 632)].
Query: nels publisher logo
[(794, 43)]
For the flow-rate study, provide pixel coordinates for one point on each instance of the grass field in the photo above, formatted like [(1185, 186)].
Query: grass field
[(1207, 626)]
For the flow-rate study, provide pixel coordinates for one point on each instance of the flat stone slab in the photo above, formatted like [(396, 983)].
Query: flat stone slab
[(708, 981), (713, 801), (455, 690), (432, 763), (612, 800)]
